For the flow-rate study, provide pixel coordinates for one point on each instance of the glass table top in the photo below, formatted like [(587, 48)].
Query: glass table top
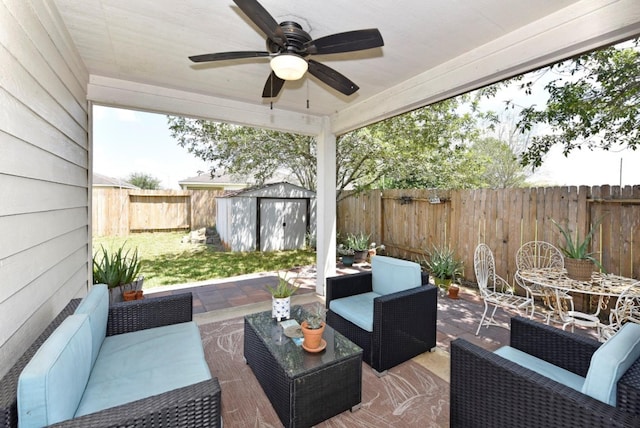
[(292, 357)]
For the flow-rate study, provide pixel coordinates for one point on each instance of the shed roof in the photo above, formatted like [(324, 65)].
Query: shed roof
[(261, 190), (100, 180)]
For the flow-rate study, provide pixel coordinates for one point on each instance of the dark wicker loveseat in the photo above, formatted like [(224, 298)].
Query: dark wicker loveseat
[(490, 391), (404, 323), (197, 405)]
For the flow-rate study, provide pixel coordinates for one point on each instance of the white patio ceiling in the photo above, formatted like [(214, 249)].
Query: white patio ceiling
[(136, 53)]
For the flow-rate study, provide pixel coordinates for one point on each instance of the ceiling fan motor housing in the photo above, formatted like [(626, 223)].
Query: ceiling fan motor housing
[(297, 38)]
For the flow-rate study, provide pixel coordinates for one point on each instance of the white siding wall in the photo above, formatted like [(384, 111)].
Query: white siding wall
[(44, 163)]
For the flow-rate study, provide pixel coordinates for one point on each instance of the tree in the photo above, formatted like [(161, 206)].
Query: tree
[(500, 165), (144, 181), (593, 103), (253, 152), (428, 147)]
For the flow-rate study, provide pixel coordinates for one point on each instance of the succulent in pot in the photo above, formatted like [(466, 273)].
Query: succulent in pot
[(579, 261), (119, 269), (443, 266), (359, 243), (281, 297), (312, 329)]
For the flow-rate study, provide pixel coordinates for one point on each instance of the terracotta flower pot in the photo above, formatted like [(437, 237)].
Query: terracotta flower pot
[(312, 337), (139, 295), (454, 289), (129, 295)]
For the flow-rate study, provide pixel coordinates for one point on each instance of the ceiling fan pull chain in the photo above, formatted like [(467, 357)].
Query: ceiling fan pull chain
[(307, 94)]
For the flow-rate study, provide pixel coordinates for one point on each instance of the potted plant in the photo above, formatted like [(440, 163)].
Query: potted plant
[(578, 260), (281, 297), (359, 243), (347, 255), (120, 270), (312, 329), (373, 250), (444, 267)]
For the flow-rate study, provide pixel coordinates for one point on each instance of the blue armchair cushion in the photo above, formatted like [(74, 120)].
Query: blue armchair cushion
[(610, 362), (96, 306), (52, 383), (390, 275), (137, 365), (542, 367), (357, 308)]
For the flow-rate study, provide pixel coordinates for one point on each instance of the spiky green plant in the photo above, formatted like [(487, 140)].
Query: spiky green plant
[(575, 248), (442, 263), (117, 268), (284, 288)]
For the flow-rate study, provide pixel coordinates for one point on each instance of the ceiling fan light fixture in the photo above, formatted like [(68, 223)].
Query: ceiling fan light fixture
[(289, 66)]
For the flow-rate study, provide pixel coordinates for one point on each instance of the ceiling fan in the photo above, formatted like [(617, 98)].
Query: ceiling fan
[(288, 46)]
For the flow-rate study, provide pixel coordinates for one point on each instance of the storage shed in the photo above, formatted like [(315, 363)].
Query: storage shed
[(266, 218)]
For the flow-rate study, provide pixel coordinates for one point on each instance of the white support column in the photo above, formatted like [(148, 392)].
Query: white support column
[(326, 206)]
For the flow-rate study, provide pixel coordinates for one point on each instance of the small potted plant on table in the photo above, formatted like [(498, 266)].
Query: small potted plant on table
[(444, 267), (281, 297), (578, 261), (312, 329)]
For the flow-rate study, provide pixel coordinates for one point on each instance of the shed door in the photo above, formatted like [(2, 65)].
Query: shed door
[(283, 223)]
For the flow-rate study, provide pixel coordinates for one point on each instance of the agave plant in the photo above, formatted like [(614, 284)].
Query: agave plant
[(442, 263), (284, 288), (575, 248), (117, 268)]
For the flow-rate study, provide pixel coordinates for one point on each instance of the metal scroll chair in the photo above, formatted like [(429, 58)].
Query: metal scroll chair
[(494, 290), (627, 309), (541, 254)]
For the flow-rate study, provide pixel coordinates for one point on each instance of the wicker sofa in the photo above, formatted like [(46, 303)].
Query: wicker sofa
[(488, 390), (194, 405), (404, 322)]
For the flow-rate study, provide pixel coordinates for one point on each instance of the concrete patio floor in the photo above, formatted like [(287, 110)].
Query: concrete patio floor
[(221, 299)]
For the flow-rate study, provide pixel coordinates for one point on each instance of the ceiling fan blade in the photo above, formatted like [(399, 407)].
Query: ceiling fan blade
[(346, 42), (222, 56), (263, 20), (273, 86), (332, 78)]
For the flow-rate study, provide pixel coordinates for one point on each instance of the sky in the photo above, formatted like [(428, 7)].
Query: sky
[(127, 142)]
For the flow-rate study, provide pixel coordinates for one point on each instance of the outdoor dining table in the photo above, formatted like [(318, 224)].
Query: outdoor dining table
[(602, 286)]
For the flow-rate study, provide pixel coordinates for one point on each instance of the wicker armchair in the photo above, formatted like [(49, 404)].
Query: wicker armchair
[(197, 405), (404, 323), (490, 391)]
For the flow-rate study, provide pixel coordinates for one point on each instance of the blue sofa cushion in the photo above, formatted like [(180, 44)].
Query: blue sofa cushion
[(144, 363), (358, 309), (96, 306), (610, 362), (542, 367), (52, 383), (390, 275)]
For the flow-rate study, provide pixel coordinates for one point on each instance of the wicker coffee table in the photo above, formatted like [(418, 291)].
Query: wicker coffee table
[(304, 388)]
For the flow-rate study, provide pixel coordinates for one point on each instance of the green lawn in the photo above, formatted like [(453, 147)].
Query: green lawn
[(166, 261)]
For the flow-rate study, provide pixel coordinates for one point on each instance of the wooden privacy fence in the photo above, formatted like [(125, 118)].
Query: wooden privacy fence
[(122, 211), (408, 222)]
